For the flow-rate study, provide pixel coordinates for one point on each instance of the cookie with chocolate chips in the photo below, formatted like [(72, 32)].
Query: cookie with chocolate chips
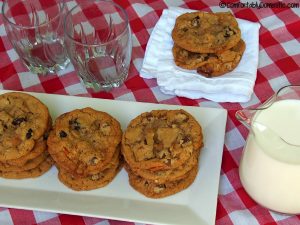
[(154, 190), (205, 32), (191, 60), (39, 148), (166, 176), (30, 164), (161, 140), (92, 181), (224, 62), (37, 171), (23, 120), (84, 141), (209, 64)]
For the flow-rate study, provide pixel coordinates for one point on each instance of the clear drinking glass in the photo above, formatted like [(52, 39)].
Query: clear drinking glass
[(35, 29), (98, 42)]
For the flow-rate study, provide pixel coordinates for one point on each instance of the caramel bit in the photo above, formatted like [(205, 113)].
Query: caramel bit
[(168, 162), (133, 135), (163, 154), (143, 152), (180, 117), (167, 135), (150, 138), (189, 149), (97, 176), (174, 125), (105, 128), (159, 188)]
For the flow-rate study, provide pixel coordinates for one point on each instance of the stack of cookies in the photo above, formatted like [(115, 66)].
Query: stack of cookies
[(85, 144), (24, 125), (207, 42), (161, 150)]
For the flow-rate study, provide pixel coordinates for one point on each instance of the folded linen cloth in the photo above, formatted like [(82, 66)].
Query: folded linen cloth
[(235, 86)]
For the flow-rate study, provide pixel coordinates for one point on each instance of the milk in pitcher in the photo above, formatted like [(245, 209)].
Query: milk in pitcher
[(270, 165)]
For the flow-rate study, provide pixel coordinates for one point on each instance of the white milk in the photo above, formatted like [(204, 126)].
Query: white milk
[(270, 168)]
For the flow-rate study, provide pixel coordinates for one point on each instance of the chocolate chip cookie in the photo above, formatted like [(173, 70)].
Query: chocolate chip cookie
[(84, 141), (191, 60), (209, 64), (90, 182), (161, 140), (30, 164), (23, 120), (224, 62), (165, 176), (205, 32), (39, 147), (32, 173), (153, 190)]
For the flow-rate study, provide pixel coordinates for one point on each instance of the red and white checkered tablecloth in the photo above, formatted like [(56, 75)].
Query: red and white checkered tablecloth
[(279, 65)]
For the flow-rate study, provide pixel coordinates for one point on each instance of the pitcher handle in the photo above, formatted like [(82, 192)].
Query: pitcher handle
[(245, 116)]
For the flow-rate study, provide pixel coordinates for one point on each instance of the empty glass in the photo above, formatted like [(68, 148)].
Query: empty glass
[(98, 42), (35, 29)]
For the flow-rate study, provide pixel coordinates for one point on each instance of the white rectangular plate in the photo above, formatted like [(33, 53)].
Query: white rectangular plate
[(194, 206)]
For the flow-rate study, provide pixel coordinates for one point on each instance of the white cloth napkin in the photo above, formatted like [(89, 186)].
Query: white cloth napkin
[(235, 86)]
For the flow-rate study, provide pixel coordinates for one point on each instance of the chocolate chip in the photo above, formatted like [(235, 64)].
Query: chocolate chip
[(5, 126), (29, 134), (63, 134), (75, 125), (18, 121), (186, 139), (196, 21), (161, 116), (163, 156), (162, 186), (149, 117), (186, 120), (229, 32), (45, 136), (206, 57)]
